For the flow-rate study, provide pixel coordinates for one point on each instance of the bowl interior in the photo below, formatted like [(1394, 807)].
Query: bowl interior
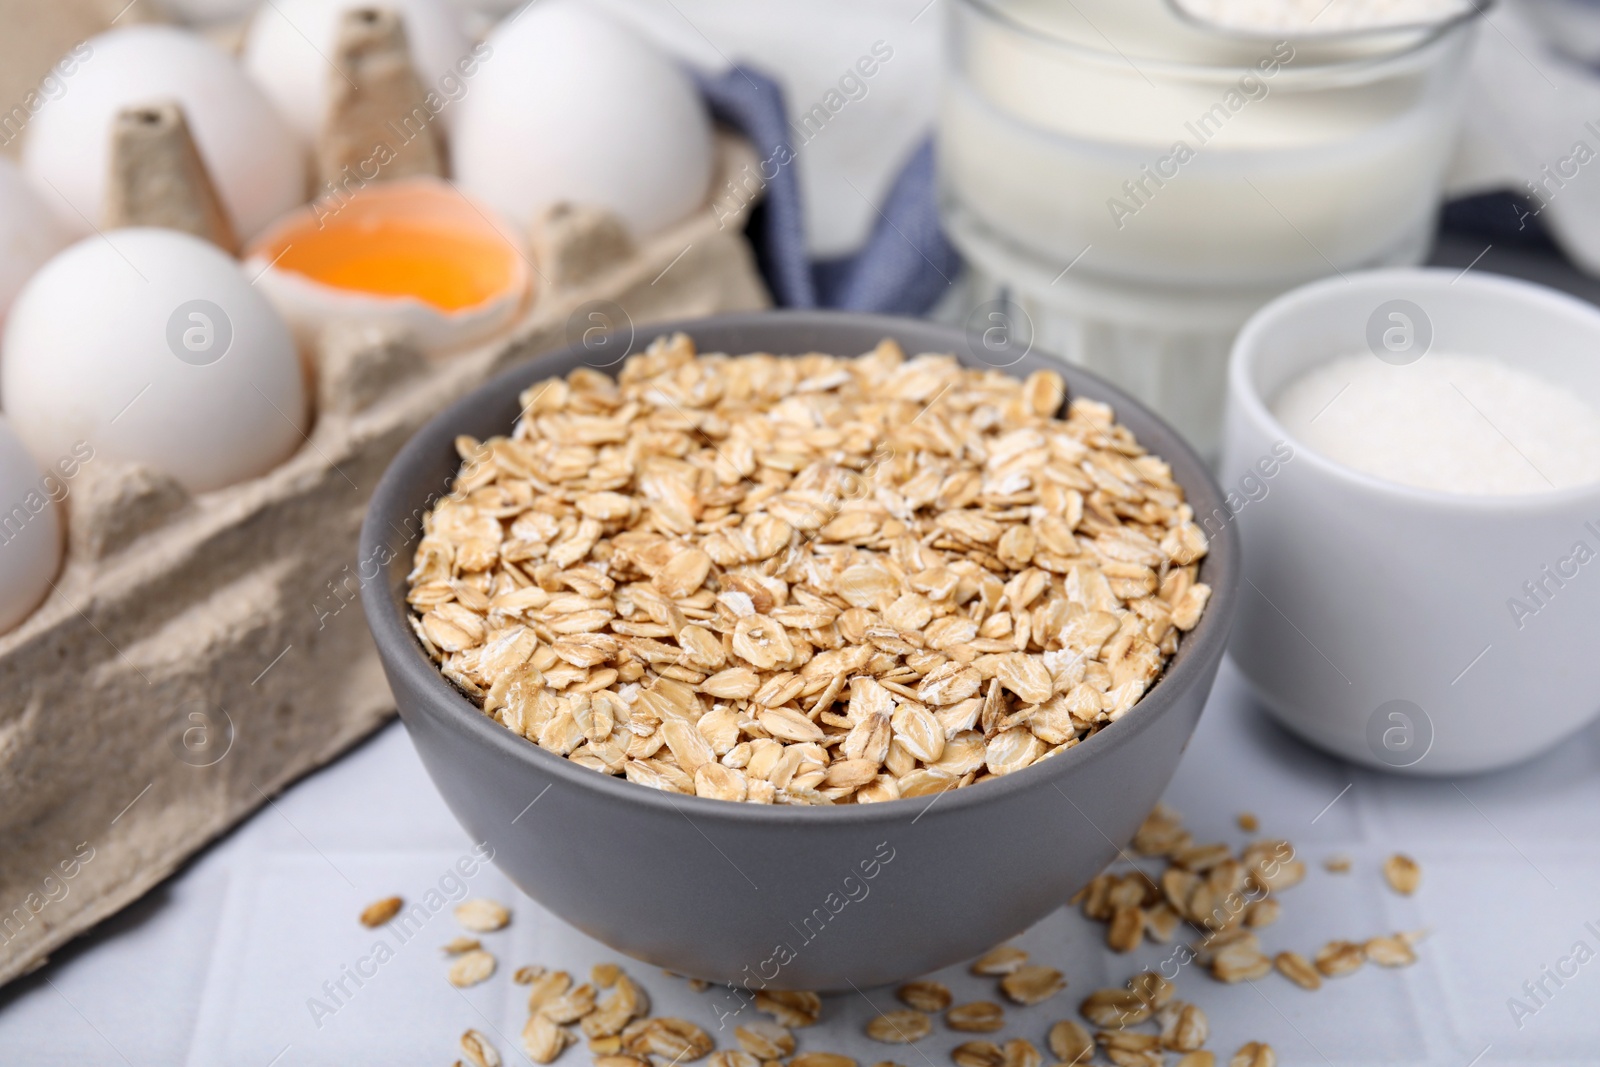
[(425, 468)]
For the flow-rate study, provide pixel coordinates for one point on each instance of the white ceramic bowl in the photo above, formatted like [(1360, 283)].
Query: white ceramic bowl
[(1376, 620)]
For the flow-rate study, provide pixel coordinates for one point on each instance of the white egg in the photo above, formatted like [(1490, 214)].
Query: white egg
[(290, 44), (29, 233), (569, 105), (30, 527), (153, 347), (257, 165)]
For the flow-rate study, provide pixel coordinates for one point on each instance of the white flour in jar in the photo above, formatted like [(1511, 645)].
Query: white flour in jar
[(1321, 16), (1458, 424)]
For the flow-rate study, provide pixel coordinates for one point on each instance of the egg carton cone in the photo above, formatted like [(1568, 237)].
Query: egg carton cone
[(375, 86), (158, 178), (199, 653)]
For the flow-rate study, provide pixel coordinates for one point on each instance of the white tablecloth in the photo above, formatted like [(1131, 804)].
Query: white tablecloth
[(217, 968)]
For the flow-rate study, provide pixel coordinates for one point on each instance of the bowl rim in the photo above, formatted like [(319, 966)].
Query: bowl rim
[(402, 654), (1523, 297)]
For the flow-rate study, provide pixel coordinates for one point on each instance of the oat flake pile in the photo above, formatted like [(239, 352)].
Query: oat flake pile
[(807, 580)]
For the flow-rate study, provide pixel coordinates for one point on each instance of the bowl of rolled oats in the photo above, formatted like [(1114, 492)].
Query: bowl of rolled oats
[(799, 671)]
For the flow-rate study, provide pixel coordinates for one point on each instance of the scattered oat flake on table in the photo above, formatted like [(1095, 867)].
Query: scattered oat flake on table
[(1248, 822), (571, 1005), (482, 916), (1201, 858), (1272, 864), (612, 1059), (456, 946), (1263, 913), (1254, 1054), (977, 1017), (764, 1039), (1402, 873), (792, 1008), (925, 995), (1150, 987), (524, 975), (1161, 923), (1338, 958), (626, 1002), (999, 961), (1032, 984), (900, 1027), (543, 1040), (1160, 833), (1184, 1027), (381, 911), (1298, 970), (1390, 951), (1070, 1043), (1114, 1008), (1020, 1052), (1126, 929), (671, 1038), (811, 597), (978, 1054), (1337, 864), (1207, 948), (478, 1049), (546, 986), (1126, 1048), (821, 1059), (470, 968), (1240, 963)]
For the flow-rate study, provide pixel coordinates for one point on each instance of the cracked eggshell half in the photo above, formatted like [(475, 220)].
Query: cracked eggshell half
[(415, 253), (152, 347)]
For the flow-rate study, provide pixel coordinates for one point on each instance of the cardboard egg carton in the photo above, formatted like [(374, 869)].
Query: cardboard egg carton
[(198, 653)]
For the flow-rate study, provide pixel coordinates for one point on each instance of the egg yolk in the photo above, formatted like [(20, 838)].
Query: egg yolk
[(449, 269)]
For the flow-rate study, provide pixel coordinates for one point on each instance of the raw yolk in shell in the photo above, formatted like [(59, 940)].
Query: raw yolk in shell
[(416, 239), (447, 267)]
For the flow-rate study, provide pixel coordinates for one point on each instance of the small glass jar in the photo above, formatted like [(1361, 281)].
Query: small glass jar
[(1137, 186)]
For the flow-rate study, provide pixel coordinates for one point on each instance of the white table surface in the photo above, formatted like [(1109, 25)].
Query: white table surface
[(215, 968)]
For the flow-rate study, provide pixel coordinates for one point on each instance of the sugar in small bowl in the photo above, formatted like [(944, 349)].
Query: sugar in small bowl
[(1413, 459)]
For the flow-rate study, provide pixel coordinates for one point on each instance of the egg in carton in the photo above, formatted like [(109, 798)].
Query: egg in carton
[(199, 651)]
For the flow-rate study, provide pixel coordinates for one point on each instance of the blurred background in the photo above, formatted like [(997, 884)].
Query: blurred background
[(1405, 147)]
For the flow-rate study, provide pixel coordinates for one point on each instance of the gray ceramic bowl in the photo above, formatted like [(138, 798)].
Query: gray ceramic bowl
[(790, 897)]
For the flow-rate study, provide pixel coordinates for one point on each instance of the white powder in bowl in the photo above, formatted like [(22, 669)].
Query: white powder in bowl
[(1459, 424), (1322, 16)]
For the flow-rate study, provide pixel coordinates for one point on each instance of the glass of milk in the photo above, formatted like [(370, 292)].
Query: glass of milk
[(1137, 186)]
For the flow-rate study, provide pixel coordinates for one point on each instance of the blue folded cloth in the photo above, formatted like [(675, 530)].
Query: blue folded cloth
[(907, 263)]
